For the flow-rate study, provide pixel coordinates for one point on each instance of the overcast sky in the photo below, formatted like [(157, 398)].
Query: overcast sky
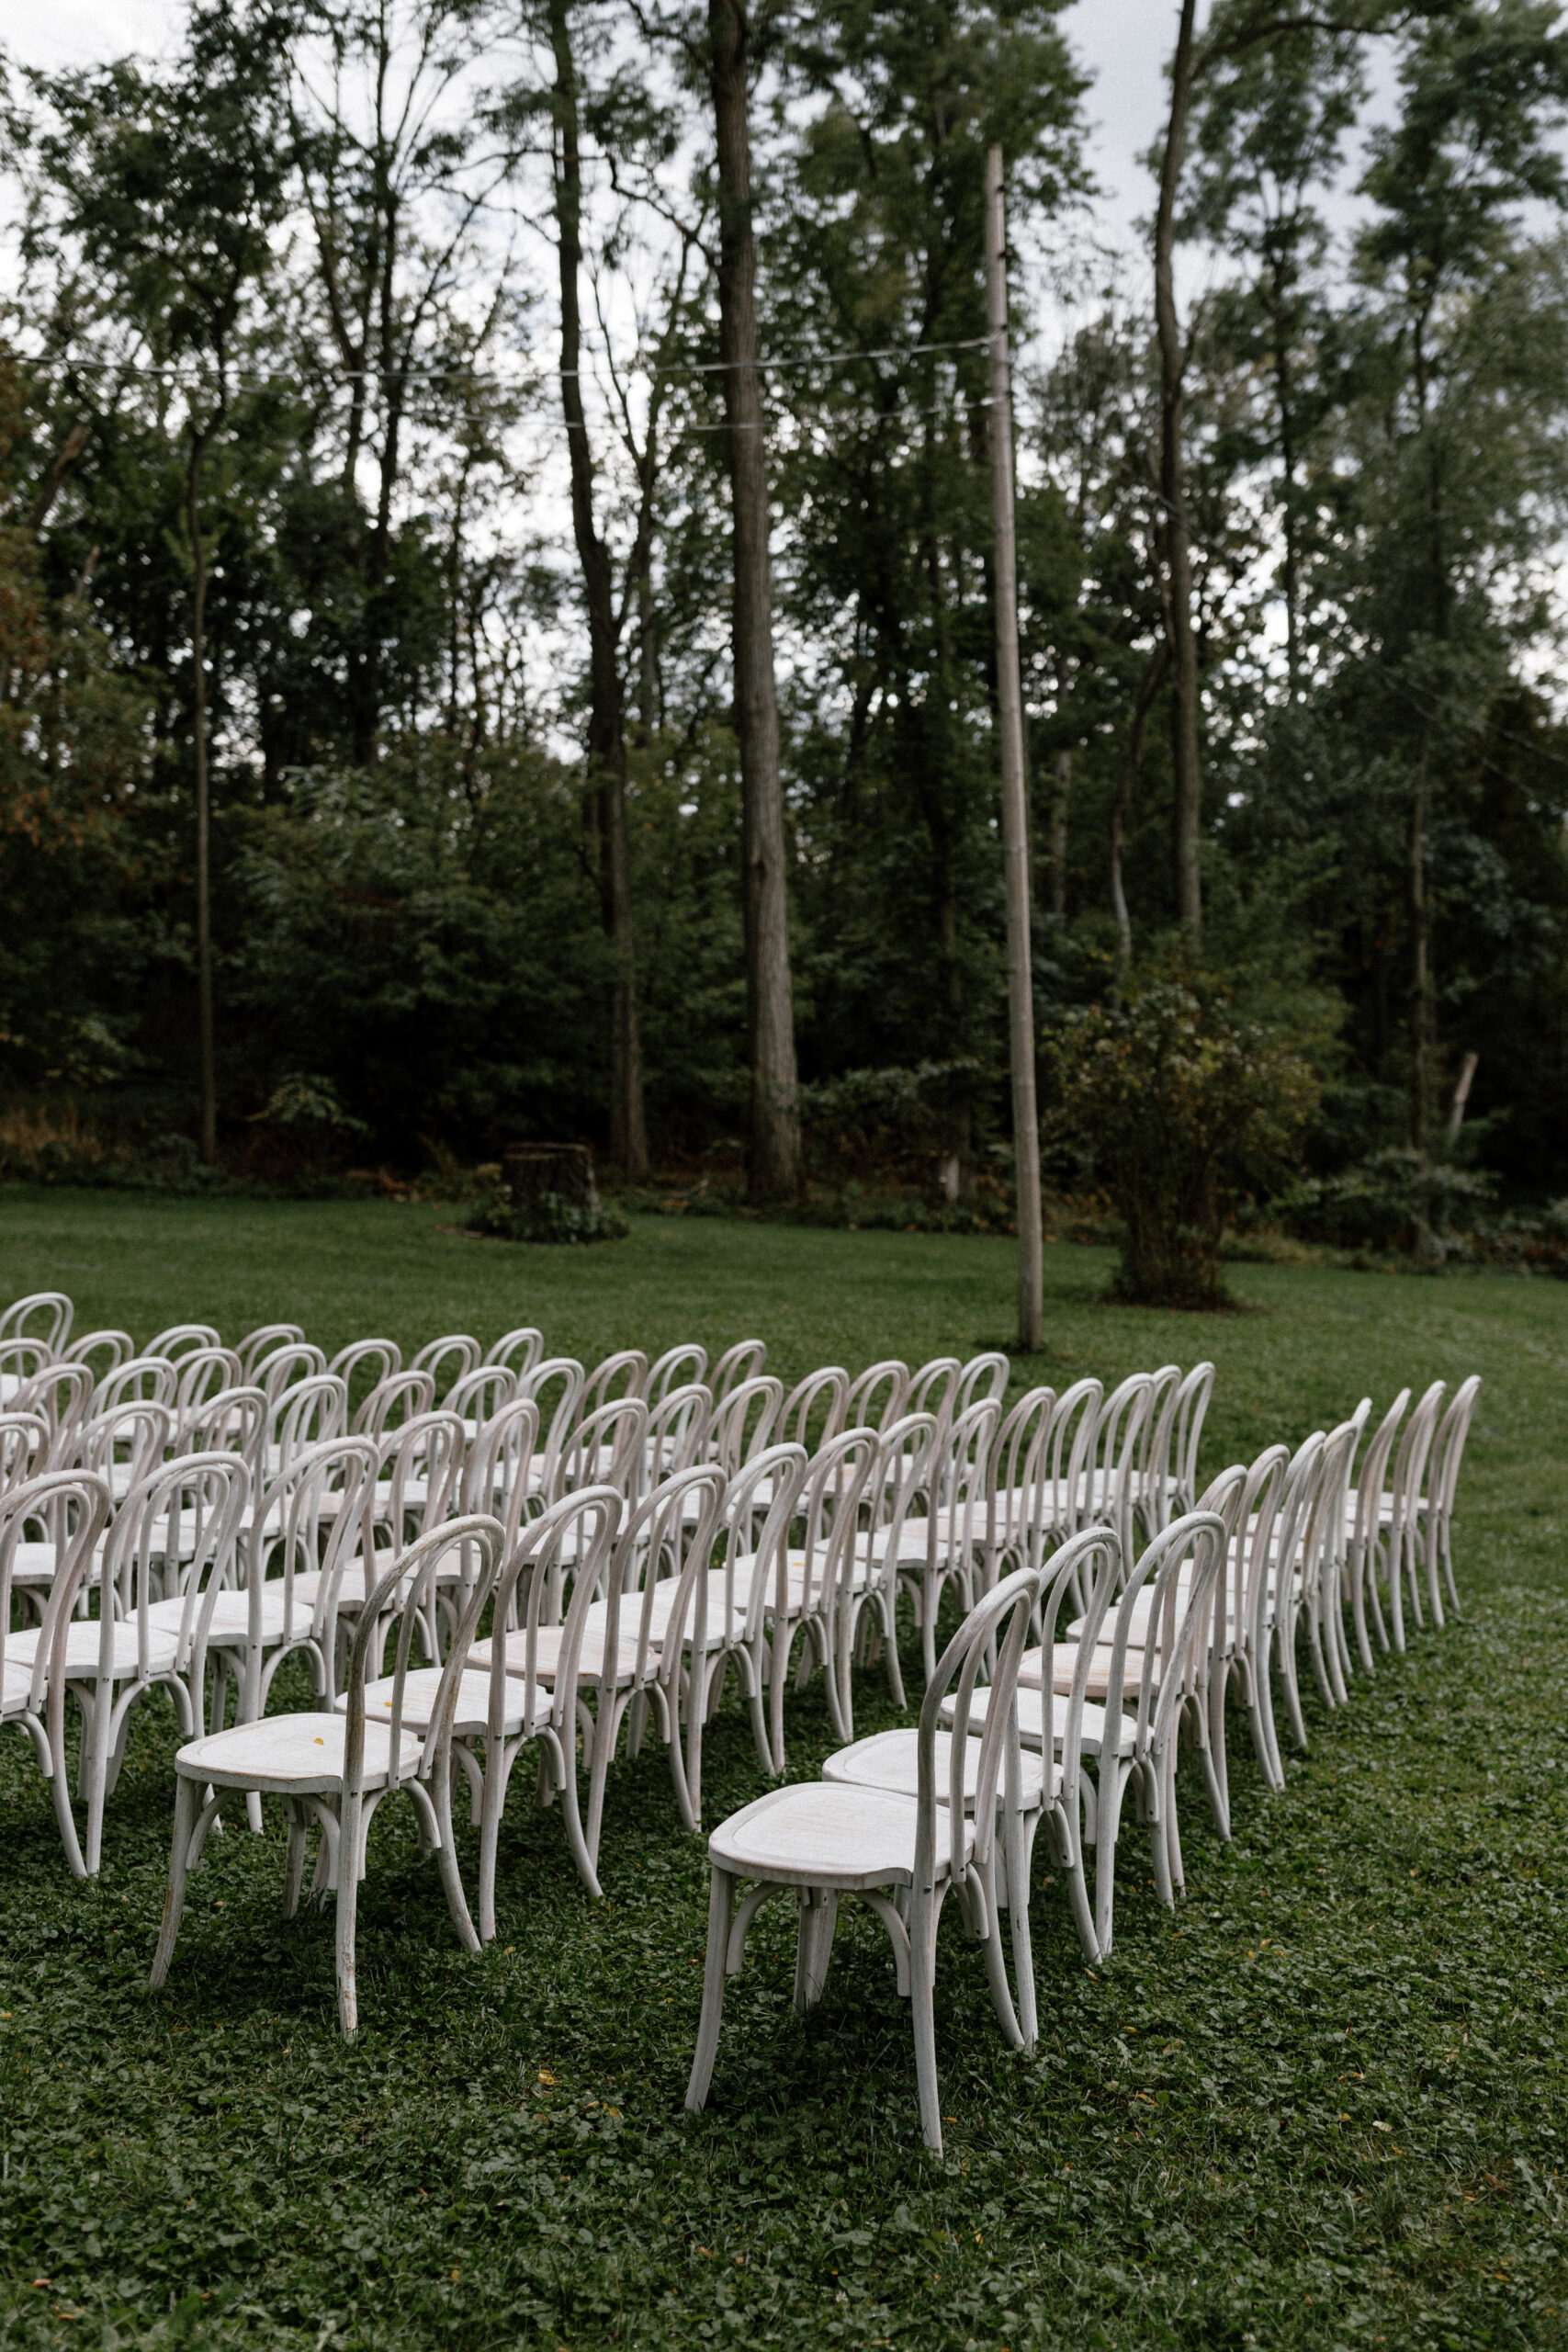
[(1124, 43)]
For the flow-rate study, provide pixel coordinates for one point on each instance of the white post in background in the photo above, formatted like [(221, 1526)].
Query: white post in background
[(1015, 810)]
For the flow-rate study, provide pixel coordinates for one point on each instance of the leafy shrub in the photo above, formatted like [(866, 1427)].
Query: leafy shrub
[(548, 1216), (1179, 1111), (1388, 1201)]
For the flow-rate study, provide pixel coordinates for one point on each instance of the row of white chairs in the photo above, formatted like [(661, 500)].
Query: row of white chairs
[(1069, 1687), (607, 1611)]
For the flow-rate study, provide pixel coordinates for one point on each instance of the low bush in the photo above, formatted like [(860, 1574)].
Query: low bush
[(546, 1217), (1179, 1111)]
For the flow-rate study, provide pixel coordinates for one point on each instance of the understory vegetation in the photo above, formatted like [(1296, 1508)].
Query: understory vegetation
[(1322, 2106), (373, 787)]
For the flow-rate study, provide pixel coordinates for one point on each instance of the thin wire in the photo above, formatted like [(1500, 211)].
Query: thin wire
[(476, 374)]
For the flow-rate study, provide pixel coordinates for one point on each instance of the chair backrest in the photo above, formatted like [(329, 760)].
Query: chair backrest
[(43, 1315), (420, 1469), (1069, 1453), (607, 1448), (525, 1344), (1118, 1435), (379, 1358), (313, 1410), (1374, 1473), (21, 1361), (877, 1398), (903, 1475), (1015, 1485), (1322, 1535), (317, 1514), (61, 1394), (933, 1387), (125, 1444), (574, 1537), (1153, 1473), (287, 1367), (1251, 1528), (622, 1373), (992, 1637), (74, 1506), (824, 1393), (1079, 1578), (556, 1384), (1410, 1462), (145, 1379), (174, 1534), (23, 1447), (1279, 1556), (496, 1479), (200, 1373), (181, 1338), (1448, 1452), (114, 1346), (480, 1394), (985, 1374), (676, 1368), (678, 1428), (754, 1568), (747, 1359), (447, 1358), (744, 1421), (393, 1402), (670, 1536), (960, 1479), (825, 1517), (264, 1341), (234, 1421), (1177, 1622), (405, 1594), (1191, 1410)]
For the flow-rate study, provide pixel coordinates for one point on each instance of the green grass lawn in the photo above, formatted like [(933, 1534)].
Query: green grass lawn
[(1320, 2107)]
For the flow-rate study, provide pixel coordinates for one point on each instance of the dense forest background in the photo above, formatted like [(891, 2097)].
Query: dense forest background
[(367, 480)]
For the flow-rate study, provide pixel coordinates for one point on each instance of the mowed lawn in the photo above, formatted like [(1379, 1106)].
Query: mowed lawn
[(1322, 2106)]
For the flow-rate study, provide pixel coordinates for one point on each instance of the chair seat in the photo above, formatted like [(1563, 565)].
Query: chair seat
[(15, 1685), (1064, 1659), (1031, 1720), (523, 1709), (547, 1648), (891, 1759), (82, 1639), (819, 1833), (230, 1624), (292, 1755)]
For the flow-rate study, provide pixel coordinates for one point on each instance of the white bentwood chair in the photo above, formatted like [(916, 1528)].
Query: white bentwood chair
[(336, 1768)]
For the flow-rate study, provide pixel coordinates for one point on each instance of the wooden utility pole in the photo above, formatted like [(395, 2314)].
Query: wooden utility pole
[(1015, 814), (206, 1050), (774, 1159)]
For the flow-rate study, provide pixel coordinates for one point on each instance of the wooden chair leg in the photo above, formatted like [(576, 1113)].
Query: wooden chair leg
[(721, 1900), (351, 1836), (186, 1798)]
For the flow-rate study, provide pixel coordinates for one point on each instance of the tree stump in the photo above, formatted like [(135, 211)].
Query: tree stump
[(530, 1170)]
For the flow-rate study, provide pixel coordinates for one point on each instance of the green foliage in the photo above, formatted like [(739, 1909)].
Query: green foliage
[(1179, 1109), (1193, 2154), (547, 1216), (1386, 1201)]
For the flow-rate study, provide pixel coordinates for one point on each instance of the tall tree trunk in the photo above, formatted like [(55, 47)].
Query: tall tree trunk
[(1420, 970), (607, 715), (206, 1053), (1122, 801), (1179, 555), (775, 1168), (1061, 788)]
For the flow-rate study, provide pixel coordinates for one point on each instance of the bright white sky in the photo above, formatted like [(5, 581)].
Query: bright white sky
[(1124, 43)]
